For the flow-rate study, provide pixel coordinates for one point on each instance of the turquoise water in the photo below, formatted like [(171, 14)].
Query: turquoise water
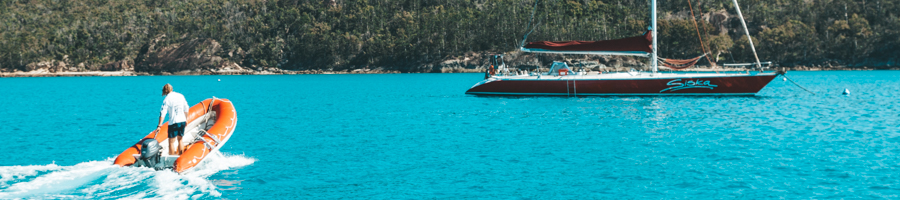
[(417, 136)]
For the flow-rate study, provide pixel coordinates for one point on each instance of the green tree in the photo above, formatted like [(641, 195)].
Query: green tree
[(718, 45)]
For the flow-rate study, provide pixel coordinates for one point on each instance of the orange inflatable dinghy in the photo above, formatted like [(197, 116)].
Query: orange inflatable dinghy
[(210, 124)]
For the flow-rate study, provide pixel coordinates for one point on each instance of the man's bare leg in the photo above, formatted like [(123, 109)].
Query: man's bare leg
[(173, 150), (180, 146)]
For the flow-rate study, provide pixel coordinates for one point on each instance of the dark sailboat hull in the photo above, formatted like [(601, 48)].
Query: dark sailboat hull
[(672, 84)]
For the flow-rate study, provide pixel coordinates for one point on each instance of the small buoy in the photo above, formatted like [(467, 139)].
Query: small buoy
[(783, 79), (220, 80), (846, 92)]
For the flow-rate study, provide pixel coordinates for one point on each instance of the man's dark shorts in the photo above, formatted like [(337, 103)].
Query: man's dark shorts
[(176, 129)]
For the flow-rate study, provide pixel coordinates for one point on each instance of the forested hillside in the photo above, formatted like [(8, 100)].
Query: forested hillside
[(404, 34)]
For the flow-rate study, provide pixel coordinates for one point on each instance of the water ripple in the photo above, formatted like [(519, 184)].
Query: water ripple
[(415, 136)]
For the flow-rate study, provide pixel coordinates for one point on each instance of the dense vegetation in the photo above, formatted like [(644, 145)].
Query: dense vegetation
[(317, 34)]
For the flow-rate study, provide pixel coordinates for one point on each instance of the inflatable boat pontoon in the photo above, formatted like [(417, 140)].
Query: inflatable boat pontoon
[(210, 124)]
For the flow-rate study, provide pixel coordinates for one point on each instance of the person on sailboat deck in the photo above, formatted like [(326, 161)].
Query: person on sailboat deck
[(176, 106)]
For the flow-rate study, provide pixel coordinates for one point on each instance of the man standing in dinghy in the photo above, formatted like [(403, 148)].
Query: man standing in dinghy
[(177, 107)]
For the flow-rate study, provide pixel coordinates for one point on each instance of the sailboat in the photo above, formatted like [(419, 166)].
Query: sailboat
[(561, 80)]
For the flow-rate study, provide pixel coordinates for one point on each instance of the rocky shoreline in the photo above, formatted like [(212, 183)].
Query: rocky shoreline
[(206, 57), (357, 71), (183, 73)]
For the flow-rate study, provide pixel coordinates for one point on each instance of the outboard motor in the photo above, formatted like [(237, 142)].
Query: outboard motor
[(150, 154)]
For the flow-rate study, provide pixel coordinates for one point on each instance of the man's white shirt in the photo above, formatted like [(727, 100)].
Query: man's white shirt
[(176, 106)]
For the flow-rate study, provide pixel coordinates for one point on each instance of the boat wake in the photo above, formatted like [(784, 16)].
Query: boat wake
[(103, 180)]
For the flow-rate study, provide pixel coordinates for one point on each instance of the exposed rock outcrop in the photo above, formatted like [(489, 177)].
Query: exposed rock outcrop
[(51, 66), (124, 65), (194, 56)]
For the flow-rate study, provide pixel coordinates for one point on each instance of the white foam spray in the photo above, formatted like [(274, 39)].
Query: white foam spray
[(103, 180)]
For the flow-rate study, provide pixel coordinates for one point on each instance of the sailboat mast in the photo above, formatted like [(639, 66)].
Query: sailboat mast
[(738, 8), (653, 59)]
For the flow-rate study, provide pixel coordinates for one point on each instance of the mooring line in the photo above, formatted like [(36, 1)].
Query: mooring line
[(798, 85)]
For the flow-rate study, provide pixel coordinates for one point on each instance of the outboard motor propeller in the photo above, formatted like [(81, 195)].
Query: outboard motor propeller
[(150, 154)]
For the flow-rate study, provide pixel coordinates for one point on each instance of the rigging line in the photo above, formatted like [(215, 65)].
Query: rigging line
[(705, 30), (530, 23), (694, 19), (798, 85)]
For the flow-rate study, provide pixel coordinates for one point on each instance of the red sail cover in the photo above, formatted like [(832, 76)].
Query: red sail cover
[(636, 43)]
